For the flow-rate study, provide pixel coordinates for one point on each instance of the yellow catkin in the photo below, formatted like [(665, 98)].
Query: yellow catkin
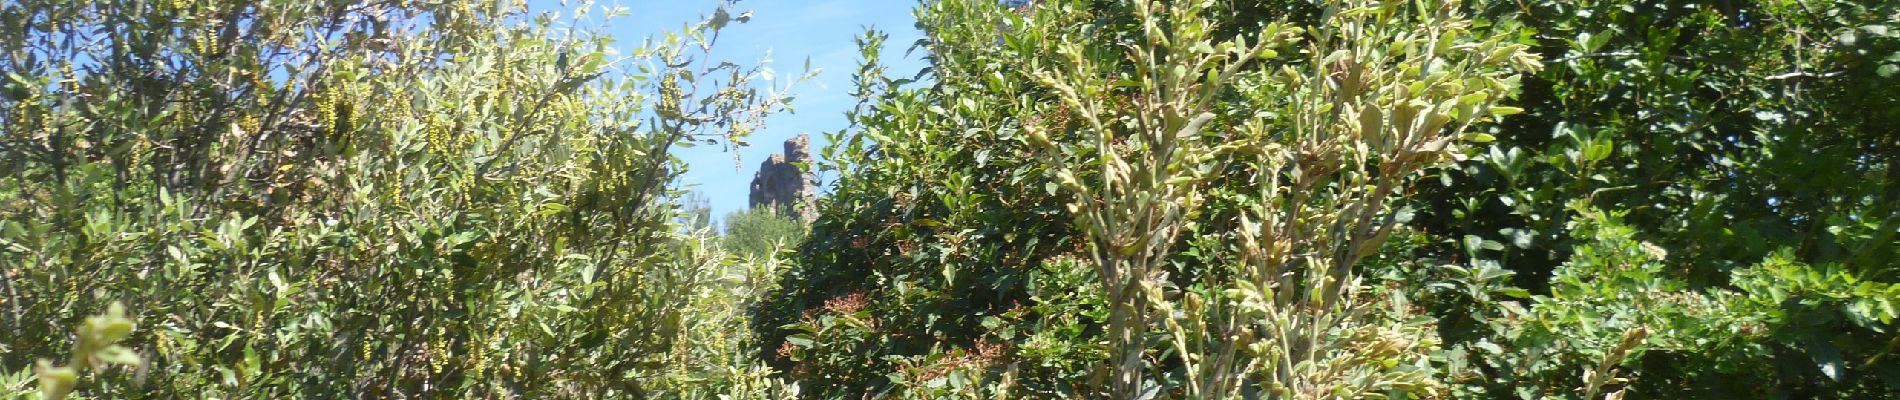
[(438, 135), (164, 344), (183, 117), (439, 353), (478, 356), (257, 324), (463, 186), (249, 123), (502, 75), (201, 43), (396, 188), (399, 106), (344, 99), (326, 107)]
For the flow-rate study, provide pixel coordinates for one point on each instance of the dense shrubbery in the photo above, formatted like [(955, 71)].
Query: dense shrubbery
[(368, 199), (1078, 199), (1697, 200), (1198, 198), (761, 232), (1740, 157)]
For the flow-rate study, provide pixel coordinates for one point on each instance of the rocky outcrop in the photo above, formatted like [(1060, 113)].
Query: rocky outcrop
[(780, 184)]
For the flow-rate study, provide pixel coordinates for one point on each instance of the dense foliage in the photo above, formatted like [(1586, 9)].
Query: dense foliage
[(1689, 200), (367, 199), (761, 232), (1126, 199)]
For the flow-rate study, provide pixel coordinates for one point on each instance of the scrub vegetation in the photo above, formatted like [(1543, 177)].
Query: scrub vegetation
[(1120, 199)]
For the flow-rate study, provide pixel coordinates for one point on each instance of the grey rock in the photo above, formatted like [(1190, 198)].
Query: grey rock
[(782, 185)]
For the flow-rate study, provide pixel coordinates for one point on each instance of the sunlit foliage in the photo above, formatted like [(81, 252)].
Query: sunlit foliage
[(1122, 199), (369, 199)]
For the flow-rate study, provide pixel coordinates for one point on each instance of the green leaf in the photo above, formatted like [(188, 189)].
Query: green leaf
[(118, 355), (719, 18), (800, 340), (1827, 357), (1598, 152), (276, 281)]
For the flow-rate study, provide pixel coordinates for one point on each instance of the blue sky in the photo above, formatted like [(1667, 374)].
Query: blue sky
[(791, 30)]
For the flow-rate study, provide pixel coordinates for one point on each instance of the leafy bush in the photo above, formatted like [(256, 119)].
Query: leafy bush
[(761, 232), (953, 199), (1713, 134), (1129, 199), (1726, 131), (370, 199), (1616, 309), (1063, 135)]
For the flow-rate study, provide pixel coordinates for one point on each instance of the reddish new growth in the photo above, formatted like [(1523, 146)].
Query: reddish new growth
[(985, 352), (980, 355), (1026, 9), (785, 350), (846, 304)]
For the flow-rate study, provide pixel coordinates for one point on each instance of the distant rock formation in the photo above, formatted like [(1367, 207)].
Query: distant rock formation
[(781, 185)]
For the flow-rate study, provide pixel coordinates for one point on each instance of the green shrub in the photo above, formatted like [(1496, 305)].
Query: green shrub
[(1214, 197), (1128, 199), (760, 232), (370, 199), (1620, 314)]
